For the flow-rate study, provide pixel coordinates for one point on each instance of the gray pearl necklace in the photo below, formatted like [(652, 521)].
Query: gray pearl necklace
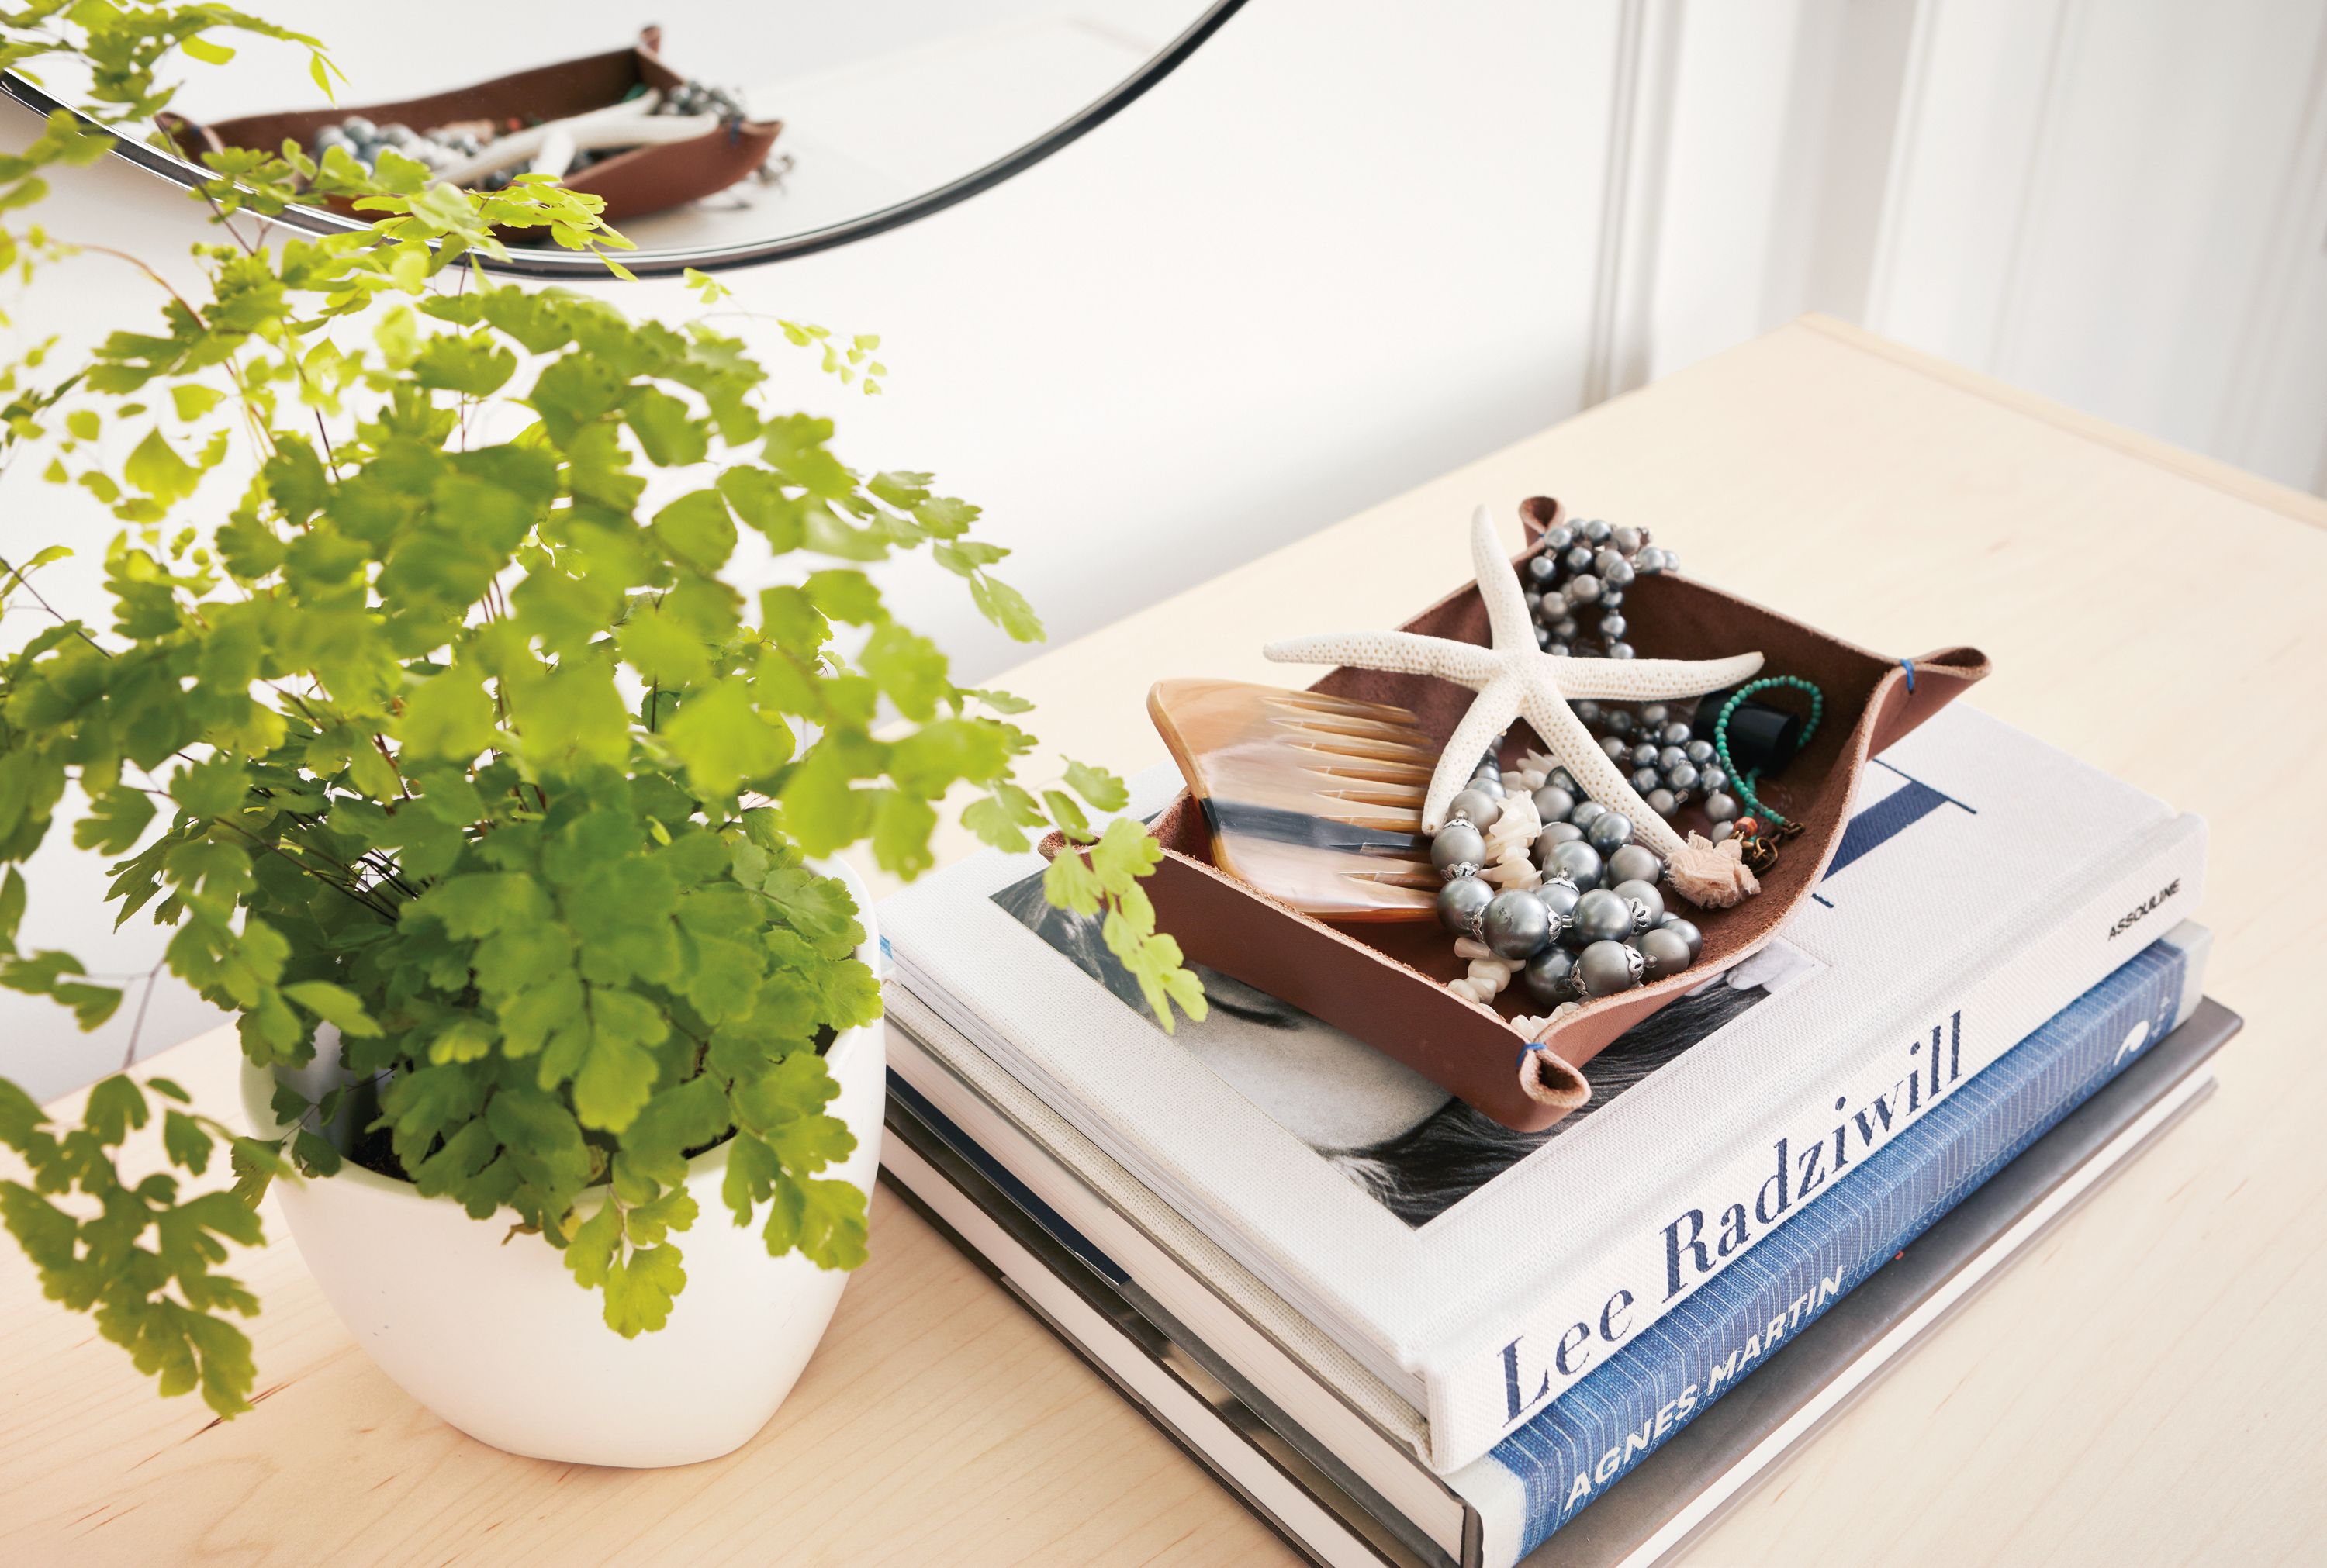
[(1597, 926), (1669, 767), (1579, 575)]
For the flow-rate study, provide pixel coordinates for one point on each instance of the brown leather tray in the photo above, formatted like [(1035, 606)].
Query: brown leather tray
[(633, 184), (1386, 983)]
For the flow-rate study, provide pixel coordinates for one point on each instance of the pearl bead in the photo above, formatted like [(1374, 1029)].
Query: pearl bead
[(1664, 952), (1620, 651), (1457, 844), (1722, 830), (1556, 650), (1550, 975), (1663, 802), (1586, 813), (1617, 573), (1629, 539), (1558, 538), (1578, 859), (1606, 558), (1553, 835), (1476, 807), (1644, 755), (1648, 903), (1635, 863), (1645, 779), (1560, 898), (1698, 752), (1561, 779), (1677, 734), (1609, 832), (1563, 628), (1620, 722), (1462, 902), (1541, 568), (1618, 749), (1543, 638), (1578, 559), (1721, 807), (1667, 756), (1712, 780), (1669, 563), (1597, 531), (1587, 709), (1688, 932), (1613, 625), (1553, 803), (1516, 925), (1583, 590), (1603, 916), (1681, 775), (1607, 968)]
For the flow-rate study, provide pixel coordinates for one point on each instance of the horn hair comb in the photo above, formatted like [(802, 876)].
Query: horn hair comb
[(1315, 800)]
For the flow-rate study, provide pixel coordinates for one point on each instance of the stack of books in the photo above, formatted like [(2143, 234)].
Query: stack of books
[(1406, 1334)]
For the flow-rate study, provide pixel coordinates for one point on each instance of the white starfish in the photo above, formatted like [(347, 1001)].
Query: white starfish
[(1516, 679)]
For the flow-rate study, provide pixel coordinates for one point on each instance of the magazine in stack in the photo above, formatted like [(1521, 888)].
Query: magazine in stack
[(1456, 1340)]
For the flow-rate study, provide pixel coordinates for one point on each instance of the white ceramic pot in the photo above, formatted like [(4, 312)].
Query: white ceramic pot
[(501, 1342)]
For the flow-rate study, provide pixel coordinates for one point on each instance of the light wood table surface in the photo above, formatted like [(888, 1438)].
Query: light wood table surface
[(2142, 1388)]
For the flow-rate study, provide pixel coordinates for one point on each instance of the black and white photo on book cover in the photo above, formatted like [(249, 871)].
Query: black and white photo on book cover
[(1402, 1140)]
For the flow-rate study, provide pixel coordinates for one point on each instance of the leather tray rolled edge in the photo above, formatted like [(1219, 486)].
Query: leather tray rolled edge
[(1385, 984)]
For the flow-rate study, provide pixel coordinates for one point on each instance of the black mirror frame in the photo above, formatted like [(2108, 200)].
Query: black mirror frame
[(569, 266)]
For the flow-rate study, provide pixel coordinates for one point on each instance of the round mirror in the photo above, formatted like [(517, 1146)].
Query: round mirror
[(720, 133)]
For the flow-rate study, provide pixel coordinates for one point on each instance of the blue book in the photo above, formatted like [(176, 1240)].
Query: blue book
[(1537, 1478), (1496, 1509)]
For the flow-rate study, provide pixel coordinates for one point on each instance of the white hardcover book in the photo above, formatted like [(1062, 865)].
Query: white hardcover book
[(1986, 880)]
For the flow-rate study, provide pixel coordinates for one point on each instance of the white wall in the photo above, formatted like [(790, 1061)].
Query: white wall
[(2147, 243), (2118, 205), (1352, 244)]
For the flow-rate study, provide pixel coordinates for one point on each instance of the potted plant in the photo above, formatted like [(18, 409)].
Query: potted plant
[(428, 718)]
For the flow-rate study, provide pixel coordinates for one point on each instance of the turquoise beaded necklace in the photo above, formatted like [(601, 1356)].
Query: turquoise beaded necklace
[(1742, 783)]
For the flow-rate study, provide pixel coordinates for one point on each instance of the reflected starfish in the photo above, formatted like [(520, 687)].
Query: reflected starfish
[(1514, 678)]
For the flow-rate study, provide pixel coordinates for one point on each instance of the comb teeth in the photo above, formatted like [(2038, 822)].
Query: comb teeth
[(1365, 770), (1278, 769), (1376, 736)]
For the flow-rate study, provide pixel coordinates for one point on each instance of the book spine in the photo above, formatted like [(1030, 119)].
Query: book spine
[(1692, 1231), (1668, 1373)]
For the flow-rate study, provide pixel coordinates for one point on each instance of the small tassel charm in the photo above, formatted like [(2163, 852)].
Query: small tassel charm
[(1713, 876)]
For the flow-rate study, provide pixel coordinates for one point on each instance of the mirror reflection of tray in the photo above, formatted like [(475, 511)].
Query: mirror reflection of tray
[(632, 183), (1385, 983)]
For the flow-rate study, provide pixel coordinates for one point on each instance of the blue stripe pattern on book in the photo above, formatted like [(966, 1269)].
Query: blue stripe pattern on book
[(1619, 1414)]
